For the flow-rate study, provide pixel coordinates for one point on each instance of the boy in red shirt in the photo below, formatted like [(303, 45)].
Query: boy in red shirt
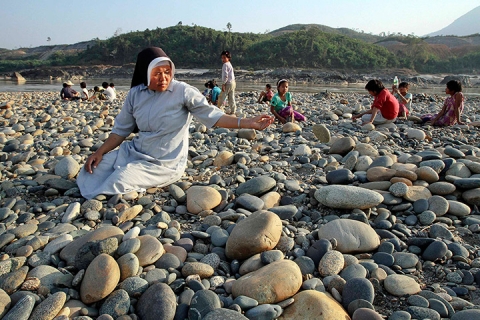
[(384, 108)]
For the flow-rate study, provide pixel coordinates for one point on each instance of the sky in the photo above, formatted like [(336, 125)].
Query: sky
[(29, 23)]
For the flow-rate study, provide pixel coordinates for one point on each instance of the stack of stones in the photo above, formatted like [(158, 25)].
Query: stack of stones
[(330, 221)]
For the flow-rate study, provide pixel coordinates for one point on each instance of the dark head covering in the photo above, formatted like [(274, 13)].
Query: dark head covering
[(143, 61)]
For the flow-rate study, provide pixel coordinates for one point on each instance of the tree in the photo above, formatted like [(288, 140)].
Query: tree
[(179, 23), (229, 26), (117, 32), (49, 39)]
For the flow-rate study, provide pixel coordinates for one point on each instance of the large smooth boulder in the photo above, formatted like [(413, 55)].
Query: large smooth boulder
[(68, 253), (259, 232), (200, 198), (100, 279), (400, 285), (275, 282), (352, 236), (347, 197), (150, 250), (314, 305), (342, 146)]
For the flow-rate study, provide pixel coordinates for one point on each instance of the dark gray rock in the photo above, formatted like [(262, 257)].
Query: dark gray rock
[(157, 303), (436, 250), (357, 288), (203, 302)]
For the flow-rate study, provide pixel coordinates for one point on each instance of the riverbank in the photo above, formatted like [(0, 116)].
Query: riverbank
[(285, 223), (295, 75)]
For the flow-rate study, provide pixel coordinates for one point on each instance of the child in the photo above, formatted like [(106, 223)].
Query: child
[(112, 85), (281, 104), (452, 107), (207, 92), (84, 92), (214, 91), (384, 108), (267, 95), (404, 99), (97, 94), (228, 83)]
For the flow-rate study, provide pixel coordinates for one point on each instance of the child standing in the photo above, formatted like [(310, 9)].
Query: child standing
[(404, 99), (384, 108), (267, 95), (452, 107), (281, 104), (228, 83)]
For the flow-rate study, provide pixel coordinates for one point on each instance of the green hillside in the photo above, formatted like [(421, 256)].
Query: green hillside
[(295, 46)]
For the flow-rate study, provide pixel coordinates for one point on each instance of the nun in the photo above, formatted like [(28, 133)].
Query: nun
[(159, 109)]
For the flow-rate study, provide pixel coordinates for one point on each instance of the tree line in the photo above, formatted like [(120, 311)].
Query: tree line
[(200, 47)]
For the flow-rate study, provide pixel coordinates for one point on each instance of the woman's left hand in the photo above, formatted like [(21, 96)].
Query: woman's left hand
[(260, 122)]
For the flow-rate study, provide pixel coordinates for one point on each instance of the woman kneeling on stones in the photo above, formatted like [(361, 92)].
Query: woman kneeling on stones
[(161, 108)]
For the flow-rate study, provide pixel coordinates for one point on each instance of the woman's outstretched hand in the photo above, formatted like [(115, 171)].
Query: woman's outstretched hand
[(260, 122)]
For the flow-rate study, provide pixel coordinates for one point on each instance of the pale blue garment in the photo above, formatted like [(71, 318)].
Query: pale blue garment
[(157, 155)]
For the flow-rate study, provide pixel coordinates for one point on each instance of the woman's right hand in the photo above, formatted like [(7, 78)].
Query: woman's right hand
[(92, 161)]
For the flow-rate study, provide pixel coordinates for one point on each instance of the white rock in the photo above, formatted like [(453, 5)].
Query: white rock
[(58, 244), (72, 212), (415, 134)]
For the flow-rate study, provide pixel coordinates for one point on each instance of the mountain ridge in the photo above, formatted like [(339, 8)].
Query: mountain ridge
[(465, 25)]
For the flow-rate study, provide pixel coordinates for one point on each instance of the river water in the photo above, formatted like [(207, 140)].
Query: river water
[(242, 86)]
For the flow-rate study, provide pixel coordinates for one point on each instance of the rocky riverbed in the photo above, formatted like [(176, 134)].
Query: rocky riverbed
[(324, 219)]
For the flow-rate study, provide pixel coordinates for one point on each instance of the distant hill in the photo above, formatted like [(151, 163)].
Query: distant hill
[(467, 24), (294, 46), (370, 38)]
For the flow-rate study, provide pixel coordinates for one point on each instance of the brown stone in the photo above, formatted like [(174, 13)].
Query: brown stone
[(100, 279), (178, 251), (150, 250), (415, 193), (380, 174), (223, 158), (202, 269), (271, 199), (201, 198), (259, 232), (408, 174), (4, 303), (129, 213), (291, 127), (275, 282), (399, 179), (314, 305)]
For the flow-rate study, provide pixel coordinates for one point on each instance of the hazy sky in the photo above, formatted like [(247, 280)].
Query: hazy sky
[(29, 23)]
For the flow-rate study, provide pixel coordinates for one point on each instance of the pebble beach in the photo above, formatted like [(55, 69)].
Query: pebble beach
[(323, 219)]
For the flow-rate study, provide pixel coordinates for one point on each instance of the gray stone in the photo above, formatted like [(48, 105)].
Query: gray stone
[(351, 235), (21, 310), (347, 197), (285, 212), (423, 313), (157, 303), (256, 186), (203, 302), (117, 304), (340, 176), (224, 314), (357, 288), (436, 250), (249, 202)]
